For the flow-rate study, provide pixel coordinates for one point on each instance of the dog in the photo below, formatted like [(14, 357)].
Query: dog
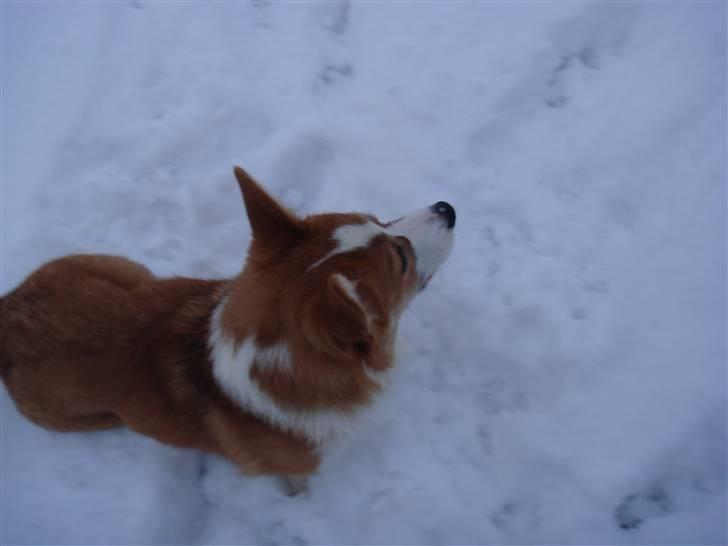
[(265, 369)]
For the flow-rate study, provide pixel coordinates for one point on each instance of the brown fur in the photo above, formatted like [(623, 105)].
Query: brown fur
[(90, 342)]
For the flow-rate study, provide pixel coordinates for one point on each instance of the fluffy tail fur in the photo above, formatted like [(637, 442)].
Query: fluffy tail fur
[(5, 361)]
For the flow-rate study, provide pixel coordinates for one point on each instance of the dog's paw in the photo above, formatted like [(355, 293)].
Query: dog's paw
[(294, 486)]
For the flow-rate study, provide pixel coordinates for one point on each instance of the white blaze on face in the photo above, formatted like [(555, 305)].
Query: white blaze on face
[(430, 237), (427, 231), (351, 237)]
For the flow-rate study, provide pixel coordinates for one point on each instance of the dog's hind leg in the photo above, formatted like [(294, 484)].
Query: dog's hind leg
[(95, 421), (294, 485), (72, 423)]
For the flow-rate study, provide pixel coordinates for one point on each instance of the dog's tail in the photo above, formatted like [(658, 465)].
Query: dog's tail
[(5, 360)]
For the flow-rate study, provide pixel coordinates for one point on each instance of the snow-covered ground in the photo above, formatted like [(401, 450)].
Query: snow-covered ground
[(565, 374)]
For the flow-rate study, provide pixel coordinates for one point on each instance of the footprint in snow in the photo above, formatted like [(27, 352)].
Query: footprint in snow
[(514, 518), (636, 508)]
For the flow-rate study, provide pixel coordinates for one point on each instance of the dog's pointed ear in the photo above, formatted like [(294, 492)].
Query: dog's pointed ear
[(272, 224), (349, 320), (339, 324)]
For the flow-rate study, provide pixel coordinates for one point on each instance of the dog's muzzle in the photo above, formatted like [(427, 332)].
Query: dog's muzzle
[(430, 231)]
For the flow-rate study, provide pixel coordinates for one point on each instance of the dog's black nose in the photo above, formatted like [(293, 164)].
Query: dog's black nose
[(445, 210)]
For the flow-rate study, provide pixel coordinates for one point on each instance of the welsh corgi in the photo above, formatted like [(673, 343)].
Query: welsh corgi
[(265, 368)]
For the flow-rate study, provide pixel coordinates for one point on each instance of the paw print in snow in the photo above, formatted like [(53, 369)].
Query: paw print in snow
[(638, 507)]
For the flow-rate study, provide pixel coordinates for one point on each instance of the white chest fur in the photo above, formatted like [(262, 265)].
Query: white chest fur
[(231, 365)]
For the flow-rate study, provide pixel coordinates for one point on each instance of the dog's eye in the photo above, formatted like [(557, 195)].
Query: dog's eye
[(402, 256)]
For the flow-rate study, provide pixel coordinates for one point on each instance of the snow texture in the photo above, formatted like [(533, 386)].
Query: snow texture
[(565, 374)]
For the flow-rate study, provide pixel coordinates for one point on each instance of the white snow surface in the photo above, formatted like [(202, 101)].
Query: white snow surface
[(565, 372)]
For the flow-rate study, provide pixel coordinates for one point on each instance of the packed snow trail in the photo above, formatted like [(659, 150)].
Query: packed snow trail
[(563, 379)]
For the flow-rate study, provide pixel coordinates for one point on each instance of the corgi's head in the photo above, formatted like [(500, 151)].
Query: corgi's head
[(324, 293)]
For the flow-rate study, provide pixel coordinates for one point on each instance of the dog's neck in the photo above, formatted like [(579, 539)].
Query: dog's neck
[(241, 365)]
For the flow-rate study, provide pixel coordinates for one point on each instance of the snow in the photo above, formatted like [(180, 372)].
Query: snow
[(563, 375)]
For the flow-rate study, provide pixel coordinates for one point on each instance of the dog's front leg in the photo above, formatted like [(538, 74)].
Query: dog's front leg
[(294, 485)]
